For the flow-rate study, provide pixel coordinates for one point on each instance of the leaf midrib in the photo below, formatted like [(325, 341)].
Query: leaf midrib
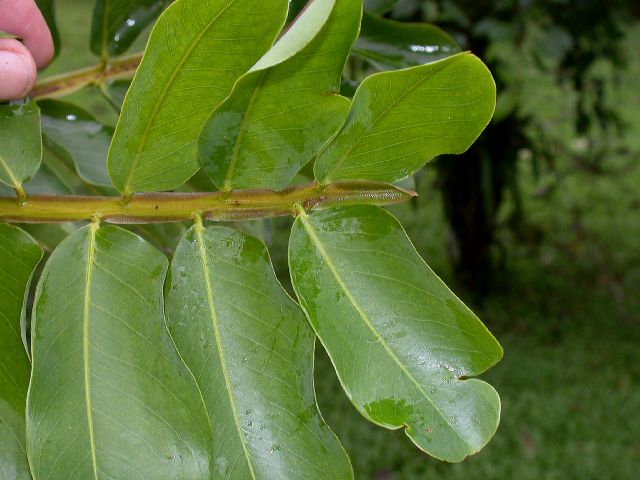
[(160, 102), (85, 344), (202, 253), (243, 130), (14, 180), (304, 218)]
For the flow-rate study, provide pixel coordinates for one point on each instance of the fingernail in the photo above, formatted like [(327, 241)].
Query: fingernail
[(17, 75)]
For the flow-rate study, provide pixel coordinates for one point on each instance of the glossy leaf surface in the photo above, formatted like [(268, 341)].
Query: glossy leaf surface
[(20, 142), (196, 52), (109, 396), (251, 351), (48, 180), (117, 23), (75, 133), (281, 113), (399, 339), (388, 44), (400, 120), (19, 256)]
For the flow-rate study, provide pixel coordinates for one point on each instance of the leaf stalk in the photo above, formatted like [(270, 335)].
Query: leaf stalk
[(69, 82)]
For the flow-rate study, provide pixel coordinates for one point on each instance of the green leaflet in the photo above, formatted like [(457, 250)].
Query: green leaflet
[(281, 113), (400, 120), (19, 256), (389, 45), (20, 142), (196, 52), (251, 351), (73, 132), (117, 23), (109, 396), (399, 339)]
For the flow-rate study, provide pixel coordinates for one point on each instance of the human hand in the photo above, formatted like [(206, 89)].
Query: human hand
[(19, 60)]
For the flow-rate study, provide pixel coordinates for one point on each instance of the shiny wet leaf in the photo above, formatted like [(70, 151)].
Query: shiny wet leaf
[(389, 45), (20, 142), (251, 351), (109, 396), (196, 52), (281, 113), (400, 120), (402, 343), (117, 23)]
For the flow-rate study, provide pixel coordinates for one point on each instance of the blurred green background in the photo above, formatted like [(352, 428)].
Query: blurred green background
[(563, 294)]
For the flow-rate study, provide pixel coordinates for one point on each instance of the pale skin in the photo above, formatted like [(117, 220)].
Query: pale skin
[(21, 59)]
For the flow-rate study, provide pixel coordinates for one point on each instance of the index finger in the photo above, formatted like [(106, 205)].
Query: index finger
[(24, 19)]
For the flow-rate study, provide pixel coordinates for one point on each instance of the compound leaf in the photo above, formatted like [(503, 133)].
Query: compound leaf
[(19, 256), (76, 134), (400, 340), (196, 52), (109, 396), (281, 113), (389, 45), (251, 351), (117, 23), (20, 142), (400, 120)]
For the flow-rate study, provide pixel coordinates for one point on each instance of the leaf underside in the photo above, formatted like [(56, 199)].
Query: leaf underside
[(251, 351), (19, 256), (109, 396), (399, 339), (21, 143), (281, 113), (196, 52), (399, 120)]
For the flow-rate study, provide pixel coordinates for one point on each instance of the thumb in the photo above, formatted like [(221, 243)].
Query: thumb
[(17, 70)]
